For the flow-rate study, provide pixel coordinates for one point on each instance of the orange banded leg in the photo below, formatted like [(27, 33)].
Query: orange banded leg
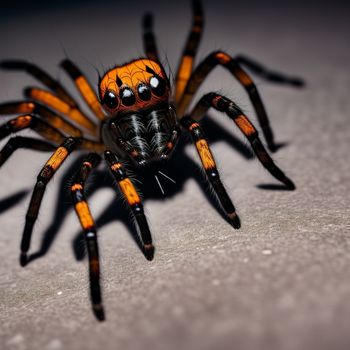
[(268, 74), (21, 107), (70, 111), (29, 121), (134, 201), (225, 105), (46, 130), (149, 41), (61, 100), (87, 222), (211, 171), (45, 175), (206, 66), (23, 142), (186, 64), (40, 75), (84, 88)]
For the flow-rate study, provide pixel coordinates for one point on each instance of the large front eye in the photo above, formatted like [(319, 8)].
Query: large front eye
[(144, 92), (127, 97), (158, 85), (110, 99)]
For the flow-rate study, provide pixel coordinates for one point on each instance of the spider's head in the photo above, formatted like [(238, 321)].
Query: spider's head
[(139, 85), (142, 123)]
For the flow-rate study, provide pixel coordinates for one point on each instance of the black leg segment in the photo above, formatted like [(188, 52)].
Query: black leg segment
[(225, 105), (210, 168), (133, 199), (87, 222), (45, 175)]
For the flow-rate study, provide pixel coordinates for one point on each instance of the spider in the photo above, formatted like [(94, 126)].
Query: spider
[(137, 121)]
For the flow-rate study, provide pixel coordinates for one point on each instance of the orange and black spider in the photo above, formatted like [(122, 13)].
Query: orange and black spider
[(137, 119)]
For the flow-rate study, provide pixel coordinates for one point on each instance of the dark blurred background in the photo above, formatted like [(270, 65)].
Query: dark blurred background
[(100, 34)]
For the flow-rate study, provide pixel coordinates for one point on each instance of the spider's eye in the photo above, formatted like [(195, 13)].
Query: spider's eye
[(110, 100), (144, 92), (158, 85), (127, 97)]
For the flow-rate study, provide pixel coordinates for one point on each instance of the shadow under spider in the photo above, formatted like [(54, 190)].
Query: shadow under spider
[(145, 182), (12, 200)]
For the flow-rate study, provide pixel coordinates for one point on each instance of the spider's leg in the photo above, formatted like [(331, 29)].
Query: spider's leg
[(46, 130), (70, 111), (268, 74), (87, 222), (40, 75), (45, 175), (186, 63), (211, 171), (206, 66), (149, 41), (84, 88), (133, 199), (61, 100), (23, 142), (54, 119), (29, 121), (170, 144), (225, 105)]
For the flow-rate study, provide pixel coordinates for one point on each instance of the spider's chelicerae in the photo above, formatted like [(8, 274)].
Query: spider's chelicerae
[(136, 119)]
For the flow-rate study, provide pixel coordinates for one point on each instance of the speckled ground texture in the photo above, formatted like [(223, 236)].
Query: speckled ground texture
[(280, 282)]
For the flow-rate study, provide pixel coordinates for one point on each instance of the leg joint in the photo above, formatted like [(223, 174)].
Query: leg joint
[(221, 57), (137, 209), (213, 174), (46, 174), (70, 143)]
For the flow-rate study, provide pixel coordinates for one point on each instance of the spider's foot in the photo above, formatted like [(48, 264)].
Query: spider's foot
[(289, 184), (23, 259), (148, 251), (234, 220), (99, 311)]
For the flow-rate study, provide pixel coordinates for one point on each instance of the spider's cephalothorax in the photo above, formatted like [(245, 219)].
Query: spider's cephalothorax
[(133, 119), (142, 124)]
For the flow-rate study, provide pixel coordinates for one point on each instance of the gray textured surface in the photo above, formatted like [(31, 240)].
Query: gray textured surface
[(280, 282)]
